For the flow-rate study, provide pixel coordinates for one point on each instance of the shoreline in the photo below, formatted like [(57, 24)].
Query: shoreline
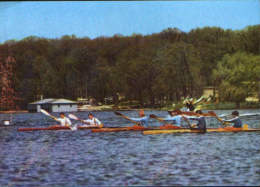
[(14, 112), (220, 106)]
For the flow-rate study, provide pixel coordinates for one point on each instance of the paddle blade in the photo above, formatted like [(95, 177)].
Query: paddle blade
[(45, 112), (122, 115), (72, 116), (178, 112), (74, 127), (156, 117), (153, 116), (118, 113), (212, 113)]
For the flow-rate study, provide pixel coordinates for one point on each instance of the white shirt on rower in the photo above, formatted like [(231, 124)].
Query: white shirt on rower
[(93, 122), (64, 121), (177, 120)]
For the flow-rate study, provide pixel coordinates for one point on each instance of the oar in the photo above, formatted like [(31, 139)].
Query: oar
[(157, 118), (218, 118), (162, 120), (188, 121), (72, 116), (53, 117), (178, 112), (122, 115), (209, 114), (224, 115), (48, 114), (198, 100)]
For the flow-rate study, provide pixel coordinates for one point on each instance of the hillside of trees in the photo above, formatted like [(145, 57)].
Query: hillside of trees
[(150, 69)]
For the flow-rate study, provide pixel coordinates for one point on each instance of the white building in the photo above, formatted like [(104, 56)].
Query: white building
[(53, 105)]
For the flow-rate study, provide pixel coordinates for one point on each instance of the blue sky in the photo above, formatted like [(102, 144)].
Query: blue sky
[(92, 19)]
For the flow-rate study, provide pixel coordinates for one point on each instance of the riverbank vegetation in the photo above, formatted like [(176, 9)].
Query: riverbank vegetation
[(153, 69)]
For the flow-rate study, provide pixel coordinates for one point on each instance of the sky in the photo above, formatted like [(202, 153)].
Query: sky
[(54, 19)]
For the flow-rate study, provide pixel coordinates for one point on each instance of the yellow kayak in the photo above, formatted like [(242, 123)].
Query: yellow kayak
[(225, 129)]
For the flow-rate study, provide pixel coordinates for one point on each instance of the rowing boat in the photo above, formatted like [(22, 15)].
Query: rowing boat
[(99, 128), (226, 129), (57, 127), (134, 128)]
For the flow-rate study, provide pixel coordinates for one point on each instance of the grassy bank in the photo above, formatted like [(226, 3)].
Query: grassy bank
[(229, 106), (13, 111)]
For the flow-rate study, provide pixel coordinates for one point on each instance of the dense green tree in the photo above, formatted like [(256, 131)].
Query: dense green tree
[(238, 76), (180, 64), (152, 69)]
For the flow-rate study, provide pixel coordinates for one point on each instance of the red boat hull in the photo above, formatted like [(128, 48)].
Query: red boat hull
[(55, 127)]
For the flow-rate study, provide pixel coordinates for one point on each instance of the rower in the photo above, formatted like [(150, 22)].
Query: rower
[(201, 125), (236, 120), (92, 121), (142, 120), (64, 121), (176, 118)]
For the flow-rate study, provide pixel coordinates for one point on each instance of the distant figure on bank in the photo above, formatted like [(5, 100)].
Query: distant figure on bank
[(64, 121), (92, 121), (236, 120), (142, 120), (189, 104)]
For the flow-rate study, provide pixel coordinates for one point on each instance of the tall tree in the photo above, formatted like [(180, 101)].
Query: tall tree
[(238, 76)]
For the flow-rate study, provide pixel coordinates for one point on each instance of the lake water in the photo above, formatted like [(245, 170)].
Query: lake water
[(81, 158)]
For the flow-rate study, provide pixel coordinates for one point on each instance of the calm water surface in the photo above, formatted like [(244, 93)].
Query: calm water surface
[(80, 158)]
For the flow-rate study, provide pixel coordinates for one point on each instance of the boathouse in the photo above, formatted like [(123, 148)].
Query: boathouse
[(53, 105)]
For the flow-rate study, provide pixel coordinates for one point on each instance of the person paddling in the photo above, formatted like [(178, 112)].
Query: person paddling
[(142, 120), (235, 120), (176, 118), (92, 121), (201, 125), (64, 121)]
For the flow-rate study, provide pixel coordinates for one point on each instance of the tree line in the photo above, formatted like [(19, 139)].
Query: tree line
[(150, 69)]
